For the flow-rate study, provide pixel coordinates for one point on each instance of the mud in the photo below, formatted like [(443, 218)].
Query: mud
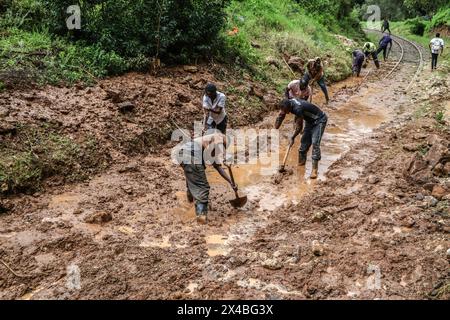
[(364, 230)]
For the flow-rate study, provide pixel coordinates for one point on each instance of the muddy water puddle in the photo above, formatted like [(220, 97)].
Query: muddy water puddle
[(350, 123)]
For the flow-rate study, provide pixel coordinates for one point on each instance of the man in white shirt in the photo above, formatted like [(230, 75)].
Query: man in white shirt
[(214, 109), (298, 89), (436, 45)]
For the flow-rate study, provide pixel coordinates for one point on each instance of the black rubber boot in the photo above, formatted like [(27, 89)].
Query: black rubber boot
[(301, 159), (201, 210), (189, 196), (315, 169)]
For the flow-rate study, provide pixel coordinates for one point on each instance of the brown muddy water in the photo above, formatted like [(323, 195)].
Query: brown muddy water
[(352, 119)]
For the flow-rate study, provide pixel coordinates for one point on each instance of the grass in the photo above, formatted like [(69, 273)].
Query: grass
[(403, 29), (37, 57), (268, 30), (36, 153)]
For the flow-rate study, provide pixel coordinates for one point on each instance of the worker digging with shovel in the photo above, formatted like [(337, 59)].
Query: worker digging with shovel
[(315, 123), (193, 157)]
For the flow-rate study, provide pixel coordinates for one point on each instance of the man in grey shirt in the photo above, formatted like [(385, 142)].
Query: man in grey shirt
[(214, 109)]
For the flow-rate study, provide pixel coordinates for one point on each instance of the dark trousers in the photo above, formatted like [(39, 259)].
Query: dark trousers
[(357, 65), (374, 57), (197, 185), (385, 28), (384, 49), (312, 135), (222, 127), (320, 82), (434, 60)]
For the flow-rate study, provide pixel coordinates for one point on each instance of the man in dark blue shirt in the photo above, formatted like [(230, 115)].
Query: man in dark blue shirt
[(358, 60), (315, 123), (383, 46)]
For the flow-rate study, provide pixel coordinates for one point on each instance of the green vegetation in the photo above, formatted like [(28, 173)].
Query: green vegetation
[(33, 154), (405, 28), (27, 56), (269, 32), (397, 10), (121, 35)]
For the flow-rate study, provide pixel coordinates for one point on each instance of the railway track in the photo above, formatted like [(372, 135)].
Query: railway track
[(396, 39)]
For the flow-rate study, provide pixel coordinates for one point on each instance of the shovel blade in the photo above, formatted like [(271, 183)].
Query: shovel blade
[(239, 202)]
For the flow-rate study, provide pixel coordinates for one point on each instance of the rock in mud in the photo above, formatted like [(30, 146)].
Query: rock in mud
[(271, 264), (126, 106), (439, 192), (190, 69), (296, 63), (319, 216), (436, 154), (365, 208), (431, 201), (448, 254), (416, 164), (411, 147), (99, 217), (317, 248), (114, 96), (373, 179), (130, 167)]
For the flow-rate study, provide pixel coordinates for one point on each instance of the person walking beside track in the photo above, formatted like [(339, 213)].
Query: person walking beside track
[(315, 123), (215, 116), (371, 50), (358, 60), (298, 89), (315, 73), (436, 45), (193, 157), (385, 45)]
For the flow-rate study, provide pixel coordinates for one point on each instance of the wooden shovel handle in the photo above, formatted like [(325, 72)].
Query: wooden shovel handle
[(232, 179)]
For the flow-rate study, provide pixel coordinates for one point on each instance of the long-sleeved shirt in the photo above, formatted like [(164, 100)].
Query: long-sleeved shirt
[(385, 41)]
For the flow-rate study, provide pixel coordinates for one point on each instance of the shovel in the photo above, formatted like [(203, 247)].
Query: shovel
[(239, 202), (282, 169)]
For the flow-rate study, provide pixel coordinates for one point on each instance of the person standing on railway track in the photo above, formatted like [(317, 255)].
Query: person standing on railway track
[(385, 45), (371, 50), (436, 45), (315, 123), (215, 116), (315, 73), (385, 25), (193, 156), (298, 89), (358, 60)]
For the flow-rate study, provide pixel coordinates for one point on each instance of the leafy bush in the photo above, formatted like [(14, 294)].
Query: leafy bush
[(441, 18), (174, 30), (417, 27)]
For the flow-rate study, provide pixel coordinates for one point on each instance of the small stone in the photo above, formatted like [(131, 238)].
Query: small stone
[(317, 248), (191, 69), (439, 192), (431, 201), (373, 179), (410, 147), (272, 264), (125, 107), (319, 216), (99, 217), (448, 253), (419, 197)]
